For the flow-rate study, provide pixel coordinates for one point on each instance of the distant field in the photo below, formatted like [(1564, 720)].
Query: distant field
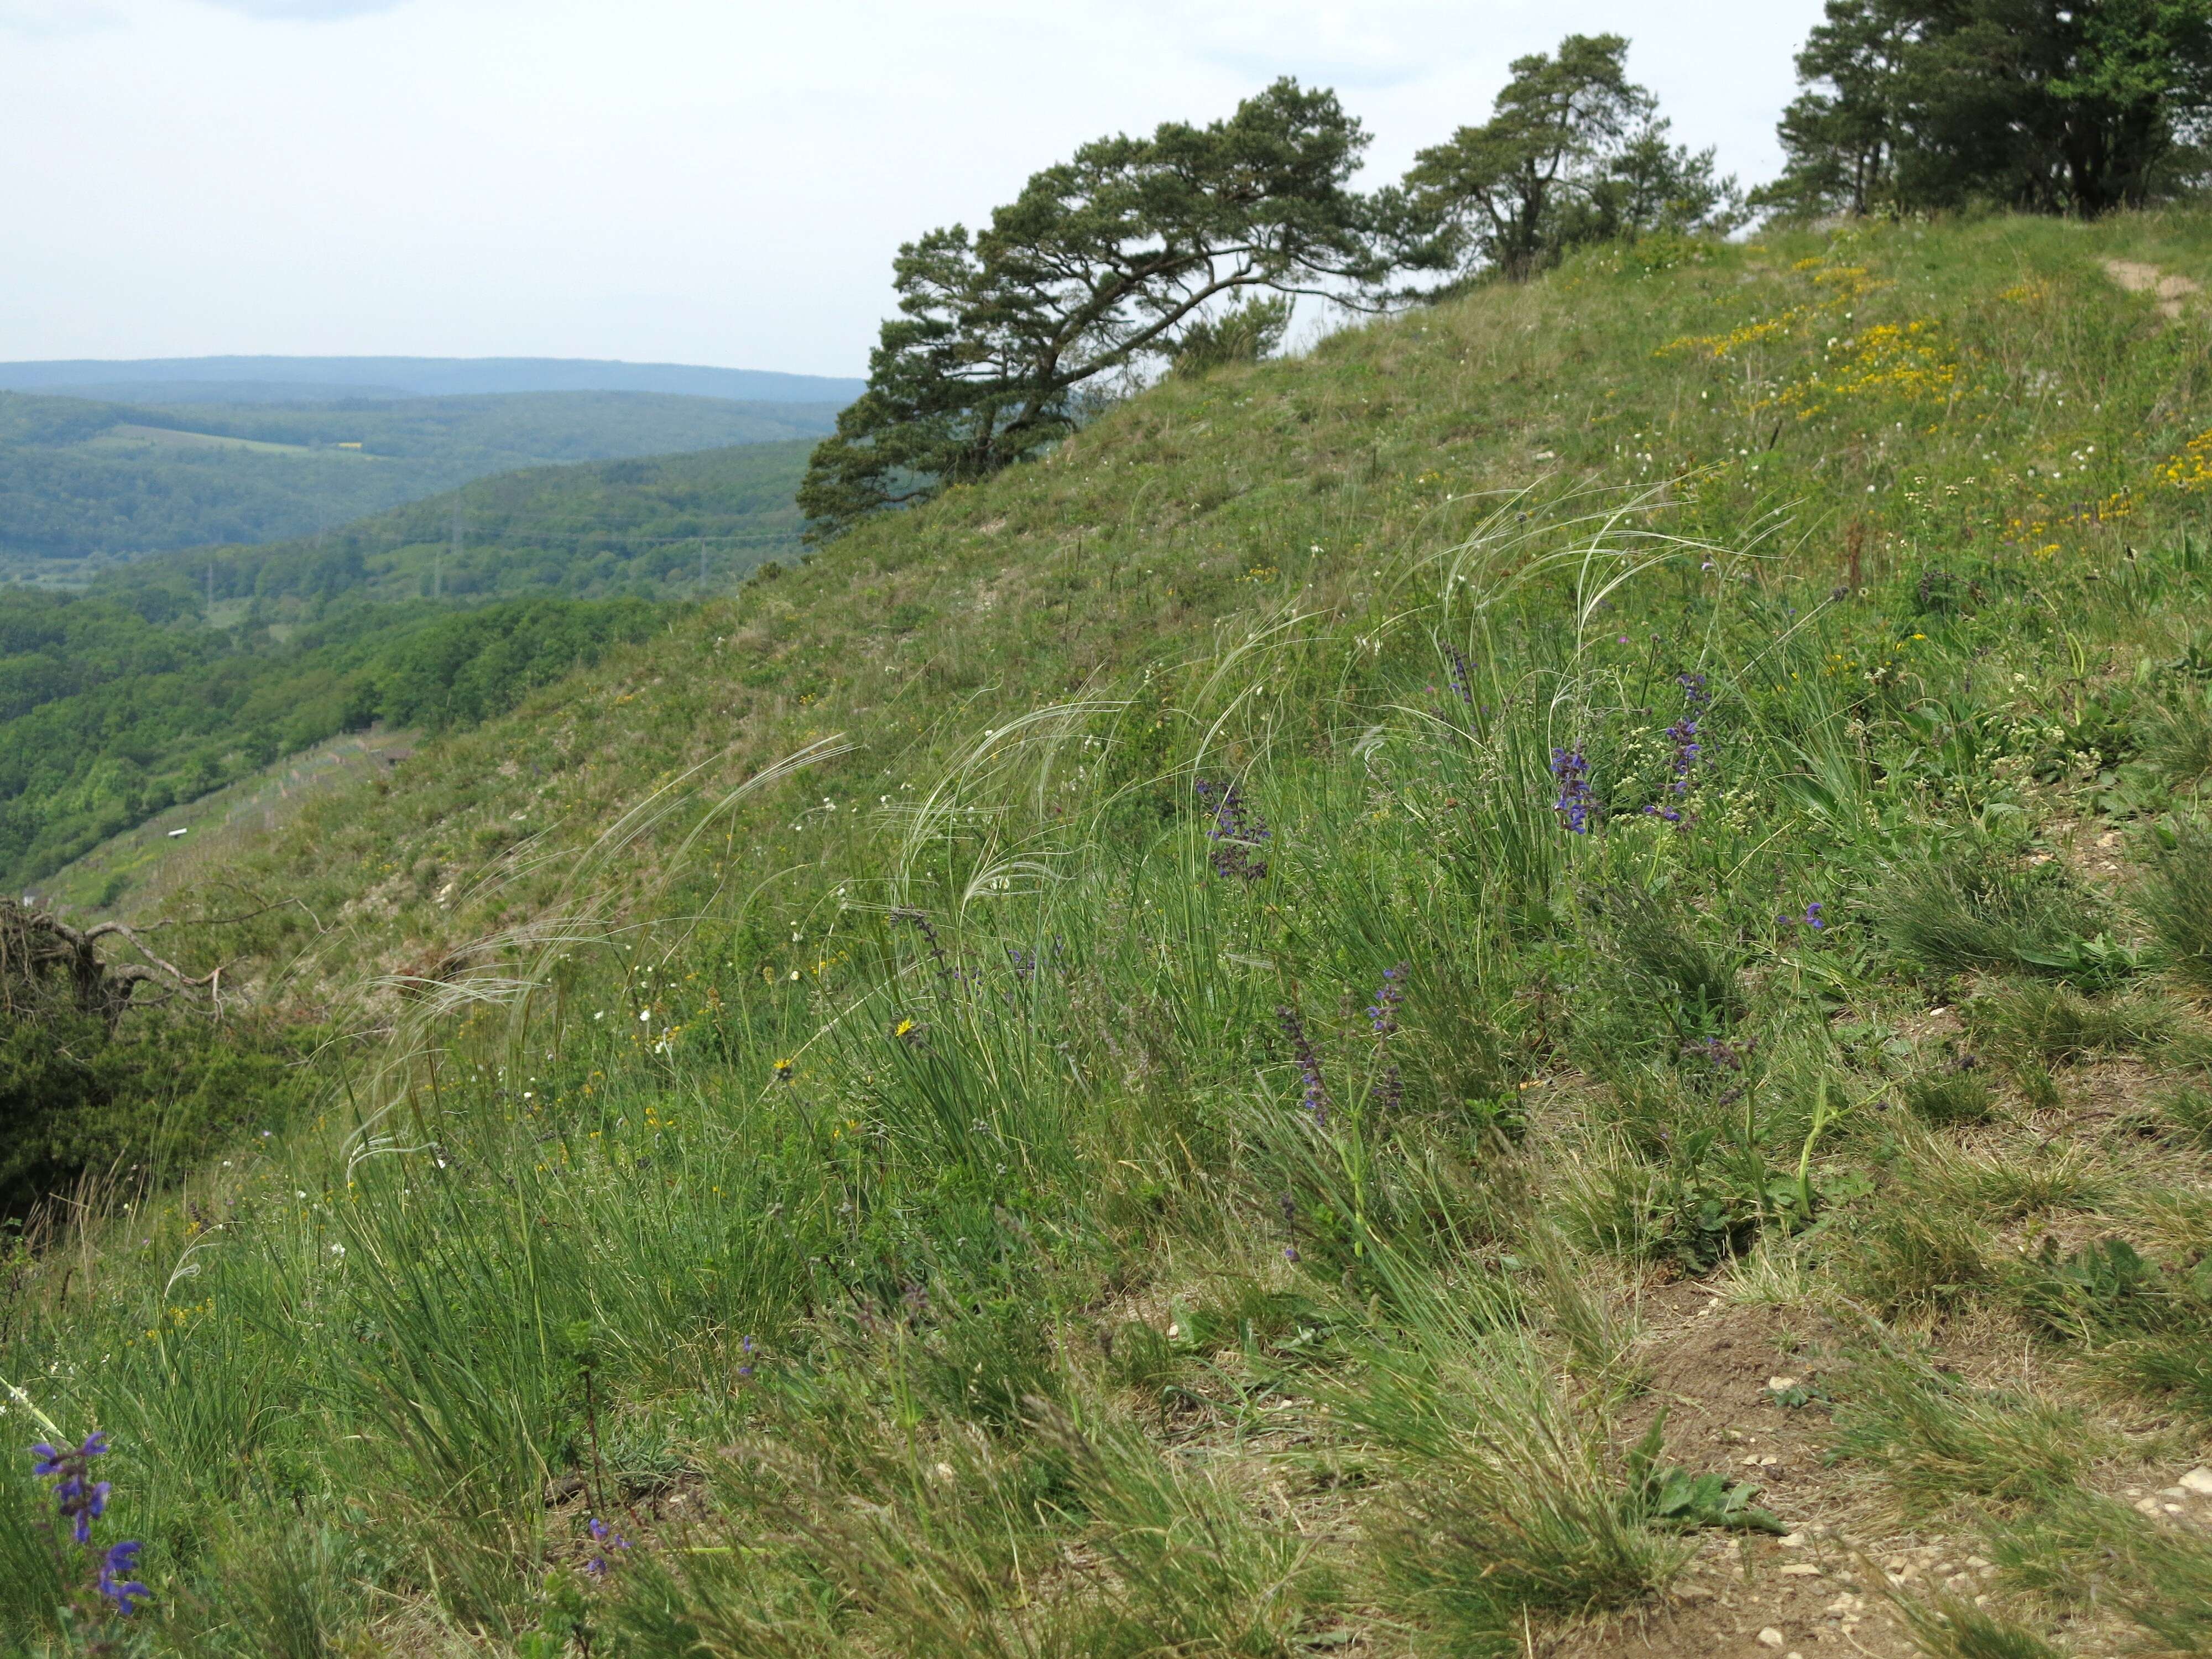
[(179, 674), (662, 526), (127, 436)]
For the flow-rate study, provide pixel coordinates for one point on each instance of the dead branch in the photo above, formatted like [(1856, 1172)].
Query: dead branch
[(39, 951)]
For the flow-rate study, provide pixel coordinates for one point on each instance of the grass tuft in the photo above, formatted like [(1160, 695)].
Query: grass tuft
[(2177, 899), (1936, 1440)]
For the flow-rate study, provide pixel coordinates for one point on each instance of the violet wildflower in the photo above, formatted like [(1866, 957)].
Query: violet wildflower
[(81, 1499), (1571, 769), (746, 1350), (116, 1582), (1382, 1012), (921, 923), (1812, 919), (1462, 677), (1719, 1053), (1390, 1092), (605, 1538), (1689, 745), (1316, 1093), (1237, 833)]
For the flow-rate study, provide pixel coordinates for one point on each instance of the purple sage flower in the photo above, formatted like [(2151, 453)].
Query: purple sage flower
[(81, 1499), (1689, 746), (1390, 1092), (1572, 769), (116, 1582), (1238, 833), (1462, 676), (606, 1539), (1316, 1092), (1383, 1011)]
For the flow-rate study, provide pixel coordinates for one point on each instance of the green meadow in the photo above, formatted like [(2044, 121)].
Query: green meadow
[(1536, 983)]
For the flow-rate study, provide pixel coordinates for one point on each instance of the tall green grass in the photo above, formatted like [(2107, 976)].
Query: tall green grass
[(877, 1141)]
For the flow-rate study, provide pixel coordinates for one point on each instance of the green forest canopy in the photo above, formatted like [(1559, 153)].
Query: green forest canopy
[(107, 718), (98, 483), (119, 702), (635, 526)]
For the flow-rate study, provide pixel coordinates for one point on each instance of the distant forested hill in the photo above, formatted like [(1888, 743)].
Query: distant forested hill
[(108, 717), (121, 702), (85, 485), (636, 527)]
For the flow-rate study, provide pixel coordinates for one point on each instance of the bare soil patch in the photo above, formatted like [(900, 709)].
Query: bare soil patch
[(2136, 277)]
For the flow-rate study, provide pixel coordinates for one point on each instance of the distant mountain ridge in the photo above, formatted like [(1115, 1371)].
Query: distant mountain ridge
[(290, 380)]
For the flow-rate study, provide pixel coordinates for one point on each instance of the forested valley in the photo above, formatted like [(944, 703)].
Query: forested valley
[(174, 676)]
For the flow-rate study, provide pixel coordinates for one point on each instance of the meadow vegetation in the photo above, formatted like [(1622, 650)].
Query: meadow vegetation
[(1305, 1025)]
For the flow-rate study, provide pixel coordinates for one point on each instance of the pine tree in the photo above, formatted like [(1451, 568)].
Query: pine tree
[(1115, 257)]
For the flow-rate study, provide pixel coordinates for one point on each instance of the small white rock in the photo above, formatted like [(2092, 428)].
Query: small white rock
[(1770, 1638), (2198, 1480), (1794, 1541), (1799, 1570), (1779, 1383), (2147, 1506)]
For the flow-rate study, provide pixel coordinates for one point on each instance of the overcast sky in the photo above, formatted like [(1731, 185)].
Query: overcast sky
[(704, 181)]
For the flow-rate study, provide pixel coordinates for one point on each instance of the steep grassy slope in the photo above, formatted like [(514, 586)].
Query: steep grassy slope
[(1303, 1028)]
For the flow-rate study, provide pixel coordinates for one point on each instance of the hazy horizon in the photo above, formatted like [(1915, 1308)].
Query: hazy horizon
[(392, 376), (667, 181)]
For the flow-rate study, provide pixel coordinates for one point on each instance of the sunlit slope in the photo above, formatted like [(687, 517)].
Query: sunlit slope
[(1841, 408), (1482, 994)]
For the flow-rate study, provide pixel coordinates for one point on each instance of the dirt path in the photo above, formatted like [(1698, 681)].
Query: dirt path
[(2136, 277)]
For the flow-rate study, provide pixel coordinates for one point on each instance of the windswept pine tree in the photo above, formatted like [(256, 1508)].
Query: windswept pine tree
[(1574, 152), (1103, 263)]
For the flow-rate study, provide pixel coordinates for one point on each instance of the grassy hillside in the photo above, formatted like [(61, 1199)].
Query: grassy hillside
[(87, 485), (140, 870), (1535, 984)]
